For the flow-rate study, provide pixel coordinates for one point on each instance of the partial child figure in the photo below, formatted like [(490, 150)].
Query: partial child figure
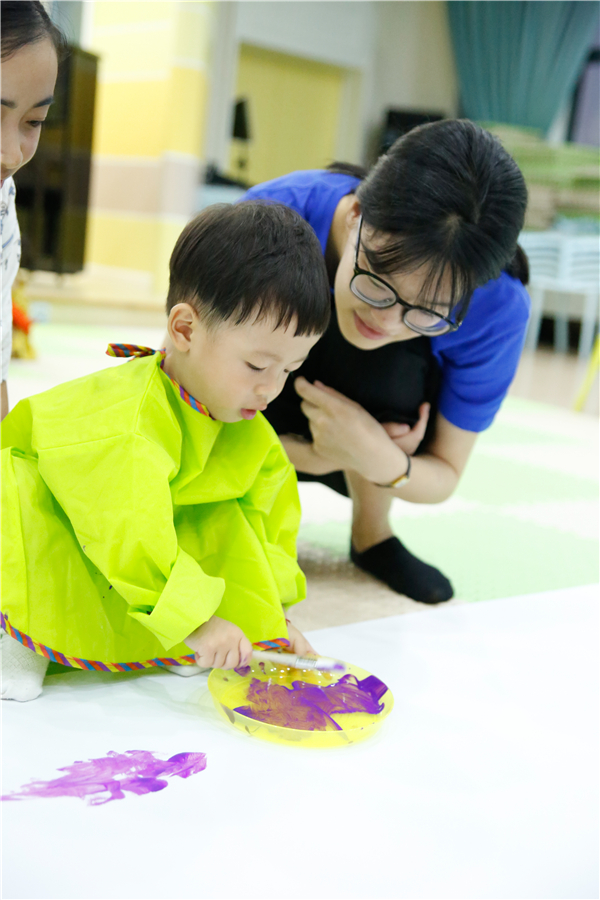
[(31, 48), (150, 511)]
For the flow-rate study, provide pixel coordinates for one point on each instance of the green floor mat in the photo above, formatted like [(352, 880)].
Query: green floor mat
[(497, 481), (485, 554), (523, 517)]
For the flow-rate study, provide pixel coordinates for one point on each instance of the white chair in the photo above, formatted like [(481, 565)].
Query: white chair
[(563, 269)]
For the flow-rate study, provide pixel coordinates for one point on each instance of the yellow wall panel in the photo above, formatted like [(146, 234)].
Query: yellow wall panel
[(125, 242), (187, 106), (294, 107), (194, 29), (125, 52), (151, 101), (131, 12), (130, 118)]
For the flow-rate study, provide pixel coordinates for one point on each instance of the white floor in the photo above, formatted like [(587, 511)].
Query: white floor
[(483, 783)]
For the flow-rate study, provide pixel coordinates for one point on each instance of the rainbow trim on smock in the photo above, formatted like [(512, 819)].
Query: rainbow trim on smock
[(96, 665), (91, 664), (137, 350)]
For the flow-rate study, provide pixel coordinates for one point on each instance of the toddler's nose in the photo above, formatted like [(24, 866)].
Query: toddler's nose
[(268, 389)]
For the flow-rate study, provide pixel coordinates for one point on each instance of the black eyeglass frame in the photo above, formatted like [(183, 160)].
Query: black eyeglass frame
[(452, 326)]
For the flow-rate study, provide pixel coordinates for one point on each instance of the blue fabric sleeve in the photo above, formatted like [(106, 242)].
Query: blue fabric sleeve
[(479, 361), (314, 194)]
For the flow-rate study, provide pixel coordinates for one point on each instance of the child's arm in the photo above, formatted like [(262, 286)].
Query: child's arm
[(3, 400)]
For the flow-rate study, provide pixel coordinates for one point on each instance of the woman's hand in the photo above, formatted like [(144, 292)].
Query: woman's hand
[(405, 437), (219, 644), (303, 456), (348, 436), (298, 643)]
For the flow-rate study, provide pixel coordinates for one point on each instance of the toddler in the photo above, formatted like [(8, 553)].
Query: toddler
[(150, 513)]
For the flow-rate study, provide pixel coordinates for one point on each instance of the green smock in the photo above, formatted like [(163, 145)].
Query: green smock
[(130, 518)]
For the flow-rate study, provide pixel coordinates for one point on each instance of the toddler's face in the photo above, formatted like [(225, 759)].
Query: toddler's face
[(28, 79), (237, 370)]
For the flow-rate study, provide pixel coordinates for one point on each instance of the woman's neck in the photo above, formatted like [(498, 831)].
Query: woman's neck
[(338, 235)]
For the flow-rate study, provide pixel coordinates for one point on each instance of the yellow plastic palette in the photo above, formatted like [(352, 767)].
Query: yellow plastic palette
[(229, 690)]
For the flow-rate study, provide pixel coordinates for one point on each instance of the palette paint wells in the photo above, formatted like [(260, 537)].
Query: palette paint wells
[(307, 708)]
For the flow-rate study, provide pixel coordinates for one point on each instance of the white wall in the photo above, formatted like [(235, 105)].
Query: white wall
[(339, 33), (413, 67), (68, 15), (400, 52)]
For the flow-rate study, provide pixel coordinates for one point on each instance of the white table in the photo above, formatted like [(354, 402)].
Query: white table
[(481, 784)]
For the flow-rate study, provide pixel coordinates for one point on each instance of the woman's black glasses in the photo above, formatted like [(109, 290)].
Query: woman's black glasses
[(378, 293)]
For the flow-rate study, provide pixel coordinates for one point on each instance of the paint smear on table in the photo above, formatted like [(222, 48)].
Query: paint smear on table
[(109, 777), (310, 707)]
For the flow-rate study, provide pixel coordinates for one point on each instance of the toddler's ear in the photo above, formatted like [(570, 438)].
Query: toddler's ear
[(180, 325)]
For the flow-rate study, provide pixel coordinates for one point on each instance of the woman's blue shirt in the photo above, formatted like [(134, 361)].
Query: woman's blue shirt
[(479, 360)]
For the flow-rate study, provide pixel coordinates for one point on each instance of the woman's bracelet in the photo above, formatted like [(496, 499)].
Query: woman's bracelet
[(398, 481)]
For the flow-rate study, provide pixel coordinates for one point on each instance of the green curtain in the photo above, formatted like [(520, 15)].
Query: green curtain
[(518, 60)]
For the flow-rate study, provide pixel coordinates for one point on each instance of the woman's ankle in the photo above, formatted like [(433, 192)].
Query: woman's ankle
[(363, 538)]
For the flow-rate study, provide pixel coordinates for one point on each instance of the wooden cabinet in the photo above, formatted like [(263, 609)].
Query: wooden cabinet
[(53, 189)]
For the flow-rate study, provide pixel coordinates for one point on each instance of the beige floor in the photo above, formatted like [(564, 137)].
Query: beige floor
[(339, 593), (555, 378)]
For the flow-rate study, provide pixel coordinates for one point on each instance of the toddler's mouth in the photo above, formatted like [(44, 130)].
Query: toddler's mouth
[(250, 413)]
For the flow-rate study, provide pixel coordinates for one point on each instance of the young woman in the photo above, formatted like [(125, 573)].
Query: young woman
[(431, 313), (31, 47)]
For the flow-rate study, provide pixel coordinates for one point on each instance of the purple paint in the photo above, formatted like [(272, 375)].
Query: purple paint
[(242, 670), (310, 707), (136, 771)]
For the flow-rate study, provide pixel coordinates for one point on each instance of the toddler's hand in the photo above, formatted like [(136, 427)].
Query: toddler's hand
[(298, 643), (219, 644)]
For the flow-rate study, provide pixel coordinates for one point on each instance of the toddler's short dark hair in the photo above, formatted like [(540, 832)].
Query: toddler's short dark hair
[(250, 260)]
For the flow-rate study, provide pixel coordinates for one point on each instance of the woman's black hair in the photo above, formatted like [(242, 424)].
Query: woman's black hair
[(448, 197), (344, 168), (518, 267), (251, 260), (24, 22)]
